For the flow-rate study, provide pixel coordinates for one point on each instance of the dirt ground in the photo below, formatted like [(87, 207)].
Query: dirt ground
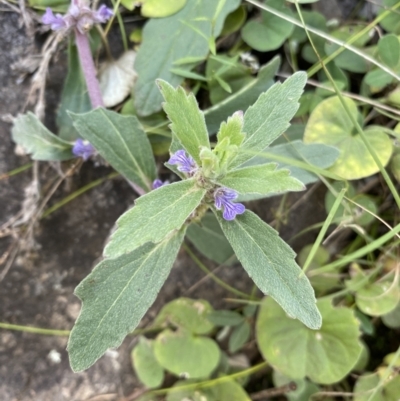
[(38, 288)]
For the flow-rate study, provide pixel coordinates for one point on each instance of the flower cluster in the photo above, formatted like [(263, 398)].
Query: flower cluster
[(79, 16), (83, 149), (223, 197)]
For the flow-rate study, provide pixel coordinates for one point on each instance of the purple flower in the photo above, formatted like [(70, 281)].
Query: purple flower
[(55, 21), (83, 149), (79, 16), (223, 199), (103, 14), (159, 183), (185, 164)]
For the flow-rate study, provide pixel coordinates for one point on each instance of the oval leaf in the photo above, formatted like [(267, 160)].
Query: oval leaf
[(154, 216), (115, 296), (29, 132), (269, 261), (121, 141)]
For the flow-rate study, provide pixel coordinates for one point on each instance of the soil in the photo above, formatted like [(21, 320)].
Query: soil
[(38, 288)]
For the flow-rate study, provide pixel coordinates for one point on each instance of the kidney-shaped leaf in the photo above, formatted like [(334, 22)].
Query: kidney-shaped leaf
[(186, 313), (121, 141), (269, 261), (185, 355), (148, 370), (154, 216), (115, 296), (36, 139), (325, 356), (330, 124), (271, 32)]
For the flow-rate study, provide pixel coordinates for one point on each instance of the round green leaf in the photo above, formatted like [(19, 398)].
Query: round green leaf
[(351, 213), (223, 391), (161, 8), (322, 282), (234, 21), (366, 388), (378, 298), (392, 22), (389, 50), (271, 32), (186, 355), (363, 359), (395, 165), (189, 314), (330, 124), (148, 370), (392, 319), (325, 355), (304, 388), (377, 80)]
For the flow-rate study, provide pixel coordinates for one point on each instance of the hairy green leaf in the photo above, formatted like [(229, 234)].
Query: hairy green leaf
[(188, 124), (36, 139), (268, 118), (74, 96), (262, 179), (121, 141), (115, 296), (269, 261), (165, 41), (154, 216)]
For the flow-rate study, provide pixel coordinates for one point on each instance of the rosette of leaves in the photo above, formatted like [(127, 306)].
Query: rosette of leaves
[(142, 250)]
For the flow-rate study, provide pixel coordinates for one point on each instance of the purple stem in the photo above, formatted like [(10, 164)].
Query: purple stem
[(89, 70)]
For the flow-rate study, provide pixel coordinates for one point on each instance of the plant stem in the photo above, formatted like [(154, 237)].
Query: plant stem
[(89, 70)]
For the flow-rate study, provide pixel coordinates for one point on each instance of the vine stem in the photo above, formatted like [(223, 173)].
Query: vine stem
[(89, 69)]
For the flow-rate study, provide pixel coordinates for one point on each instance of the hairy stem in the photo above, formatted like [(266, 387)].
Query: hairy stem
[(89, 70)]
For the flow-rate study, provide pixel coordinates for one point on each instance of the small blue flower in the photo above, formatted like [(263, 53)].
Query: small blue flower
[(55, 21), (159, 183), (83, 149), (223, 199), (185, 164), (103, 14)]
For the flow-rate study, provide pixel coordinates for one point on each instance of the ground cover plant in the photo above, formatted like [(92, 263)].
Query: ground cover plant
[(213, 106)]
